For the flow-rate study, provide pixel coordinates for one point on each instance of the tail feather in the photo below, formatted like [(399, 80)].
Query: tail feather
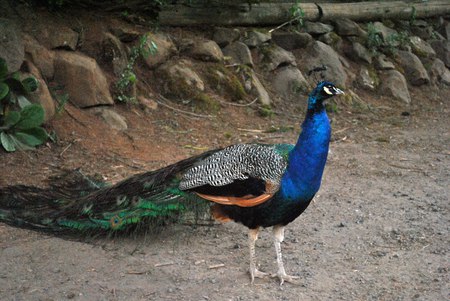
[(78, 203)]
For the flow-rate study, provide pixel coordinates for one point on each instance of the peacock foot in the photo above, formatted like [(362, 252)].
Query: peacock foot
[(285, 278), (255, 273)]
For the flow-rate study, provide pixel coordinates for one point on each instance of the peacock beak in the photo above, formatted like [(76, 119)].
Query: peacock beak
[(337, 91)]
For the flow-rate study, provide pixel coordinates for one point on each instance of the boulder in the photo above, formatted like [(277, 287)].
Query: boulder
[(255, 38), (421, 48), (62, 37), (259, 90), (442, 49), (182, 72), (114, 53), (125, 34), (393, 84), (147, 103), (422, 29), (41, 57), (165, 49), (318, 54), (413, 68), (275, 56), (291, 40), (385, 32), (439, 73), (381, 63), (42, 94), (224, 36), (288, 82), (317, 28), (332, 39), (347, 27), (359, 52), (207, 51), (367, 80), (11, 46), (239, 53), (82, 79), (111, 118)]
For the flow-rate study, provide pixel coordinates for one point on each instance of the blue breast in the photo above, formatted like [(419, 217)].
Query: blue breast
[(307, 160)]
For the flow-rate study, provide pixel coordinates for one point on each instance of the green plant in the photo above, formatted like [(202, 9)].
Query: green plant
[(128, 77), (298, 15), (390, 45), (19, 129), (374, 40)]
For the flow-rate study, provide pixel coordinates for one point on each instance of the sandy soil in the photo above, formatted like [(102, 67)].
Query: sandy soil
[(378, 230)]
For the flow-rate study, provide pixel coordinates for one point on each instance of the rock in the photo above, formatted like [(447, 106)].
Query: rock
[(64, 37), (288, 81), (381, 63), (446, 31), (42, 94), (317, 28), (385, 32), (421, 29), (260, 91), (366, 79), (112, 118), (224, 36), (124, 34), (442, 49), (393, 84), (82, 79), (147, 103), (165, 49), (347, 27), (207, 51), (255, 38), (41, 57), (11, 46), (114, 53), (291, 40), (239, 53), (439, 73), (182, 72), (318, 54), (275, 56), (332, 39), (358, 51), (413, 68), (421, 48)]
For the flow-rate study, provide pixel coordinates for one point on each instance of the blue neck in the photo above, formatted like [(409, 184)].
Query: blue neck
[(307, 159)]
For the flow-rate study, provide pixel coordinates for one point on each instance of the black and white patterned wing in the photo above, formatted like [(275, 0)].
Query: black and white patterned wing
[(237, 167)]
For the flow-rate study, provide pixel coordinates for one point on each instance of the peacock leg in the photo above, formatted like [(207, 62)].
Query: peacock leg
[(278, 234), (252, 237)]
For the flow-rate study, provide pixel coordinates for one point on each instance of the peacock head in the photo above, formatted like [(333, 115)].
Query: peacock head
[(323, 91)]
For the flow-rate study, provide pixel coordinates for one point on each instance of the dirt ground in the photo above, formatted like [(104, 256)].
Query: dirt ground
[(377, 230)]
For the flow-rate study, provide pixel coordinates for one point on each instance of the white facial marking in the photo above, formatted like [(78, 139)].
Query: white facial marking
[(327, 91)]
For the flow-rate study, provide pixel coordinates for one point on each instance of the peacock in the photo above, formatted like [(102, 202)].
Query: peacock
[(257, 185)]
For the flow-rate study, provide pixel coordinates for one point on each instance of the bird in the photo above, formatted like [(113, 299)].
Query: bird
[(257, 185)]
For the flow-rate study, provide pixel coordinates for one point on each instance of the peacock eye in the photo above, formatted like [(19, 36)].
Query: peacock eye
[(327, 90)]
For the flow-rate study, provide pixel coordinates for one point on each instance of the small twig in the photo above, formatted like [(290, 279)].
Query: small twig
[(135, 273), (216, 266), (240, 105), (341, 130), (407, 168), (164, 264), (285, 23), (68, 146), (181, 111), (251, 130)]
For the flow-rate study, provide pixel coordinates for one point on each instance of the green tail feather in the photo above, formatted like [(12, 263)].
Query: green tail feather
[(78, 203)]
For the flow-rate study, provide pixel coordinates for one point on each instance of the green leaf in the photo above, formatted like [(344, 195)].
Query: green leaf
[(31, 116), (19, 144), (7, 142), (11, 118), (4, 90), (30, 84), (28, 139), (3, 68), (38, 132), (23, 101), (16, 85)]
